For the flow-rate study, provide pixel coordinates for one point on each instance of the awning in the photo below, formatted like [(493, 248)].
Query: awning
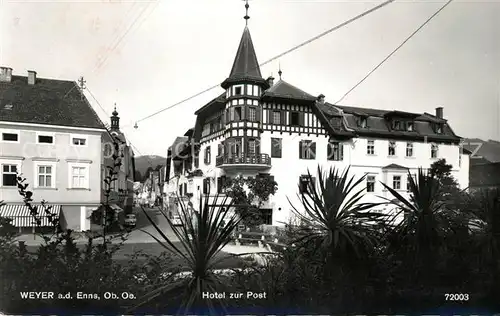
[(21, 216)]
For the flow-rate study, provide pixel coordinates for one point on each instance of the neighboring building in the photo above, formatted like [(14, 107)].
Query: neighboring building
[(51, 135), (267, 128), (122, 190), (484, 170)]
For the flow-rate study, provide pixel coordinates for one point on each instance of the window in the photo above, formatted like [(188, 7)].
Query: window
[(307, 149), (276, 117), (9, 175), (266, 216), (370, 184), (45, 176), (370, 147), (409, 127), (212, 127), (252, 114), (396, 182), (362, 122), (237, 91), (221, 183), (276, 147), (409, 149), (78, 141), (408, 182), (45, 139), (207, 155), (220, 149), (237, 113), (231, 114), (252, 147), (10, 137), (306, 183), (294, 119), (79, 177), (392, 148), (396, 125), (335, 151), (206, 186), (434, 151), (439, 128)]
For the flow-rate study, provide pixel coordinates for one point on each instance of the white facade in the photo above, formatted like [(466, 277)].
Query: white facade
[(238, 133), (64, 168)]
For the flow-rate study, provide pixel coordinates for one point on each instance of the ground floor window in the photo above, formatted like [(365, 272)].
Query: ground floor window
[(266, 216)]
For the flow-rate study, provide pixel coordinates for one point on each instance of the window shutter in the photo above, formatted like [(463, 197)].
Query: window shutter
[(257, 113), (283, 118), (313, 149), (301, 119), (329, 151), (300, 150), (341, 149)]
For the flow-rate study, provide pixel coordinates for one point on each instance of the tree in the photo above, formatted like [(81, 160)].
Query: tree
[(249, 194), (449, 190)]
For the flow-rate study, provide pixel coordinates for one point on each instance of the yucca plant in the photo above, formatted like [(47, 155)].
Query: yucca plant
[(426, 220), (333, 218), (202, 236)]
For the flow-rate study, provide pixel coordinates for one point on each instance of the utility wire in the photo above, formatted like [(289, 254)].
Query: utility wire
[(131, 26), (393, 52), (385, 3), (120, 39)]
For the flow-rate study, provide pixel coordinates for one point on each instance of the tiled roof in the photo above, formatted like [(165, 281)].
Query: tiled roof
[(245, 63), (48, 101), (394, 166), (283, 89), (488, 150)]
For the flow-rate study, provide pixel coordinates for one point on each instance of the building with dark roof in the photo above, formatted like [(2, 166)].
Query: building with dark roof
[(259, 126), (484, 171), (49, 133)]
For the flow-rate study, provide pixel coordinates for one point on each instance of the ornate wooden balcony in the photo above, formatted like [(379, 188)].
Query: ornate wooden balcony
[(244, 160)]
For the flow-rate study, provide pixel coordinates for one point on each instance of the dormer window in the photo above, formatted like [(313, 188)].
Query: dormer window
[(409, 127), (396, 125), (439, 128), (237, 91), (363, 122)]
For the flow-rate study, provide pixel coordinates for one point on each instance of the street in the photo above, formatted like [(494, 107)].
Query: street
[(138, 240)]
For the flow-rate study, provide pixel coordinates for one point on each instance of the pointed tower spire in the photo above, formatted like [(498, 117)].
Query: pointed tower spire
[(115, 120), (246, 14), (279, 71), (245, 66)]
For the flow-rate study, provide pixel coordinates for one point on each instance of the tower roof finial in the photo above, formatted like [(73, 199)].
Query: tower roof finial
[(115, 113), (279, 71), (246, 17)]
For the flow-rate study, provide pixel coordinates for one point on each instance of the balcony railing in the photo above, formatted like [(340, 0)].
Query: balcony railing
[(243, 159)]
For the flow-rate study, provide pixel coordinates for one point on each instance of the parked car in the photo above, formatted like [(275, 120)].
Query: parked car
[(130, 220)]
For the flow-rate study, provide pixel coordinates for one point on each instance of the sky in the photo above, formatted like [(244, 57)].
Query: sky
[(148, 55)]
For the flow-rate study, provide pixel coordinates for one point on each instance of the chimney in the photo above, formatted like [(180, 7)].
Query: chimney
[(270, 81), (5, 74), (439, 112), (31, 77), (321, 98)]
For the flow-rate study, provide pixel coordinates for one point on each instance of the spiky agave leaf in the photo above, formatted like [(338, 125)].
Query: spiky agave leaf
[(425, 217), (334, 218), (202, 236)]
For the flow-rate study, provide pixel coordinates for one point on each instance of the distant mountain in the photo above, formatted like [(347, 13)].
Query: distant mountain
[(143, 163)]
